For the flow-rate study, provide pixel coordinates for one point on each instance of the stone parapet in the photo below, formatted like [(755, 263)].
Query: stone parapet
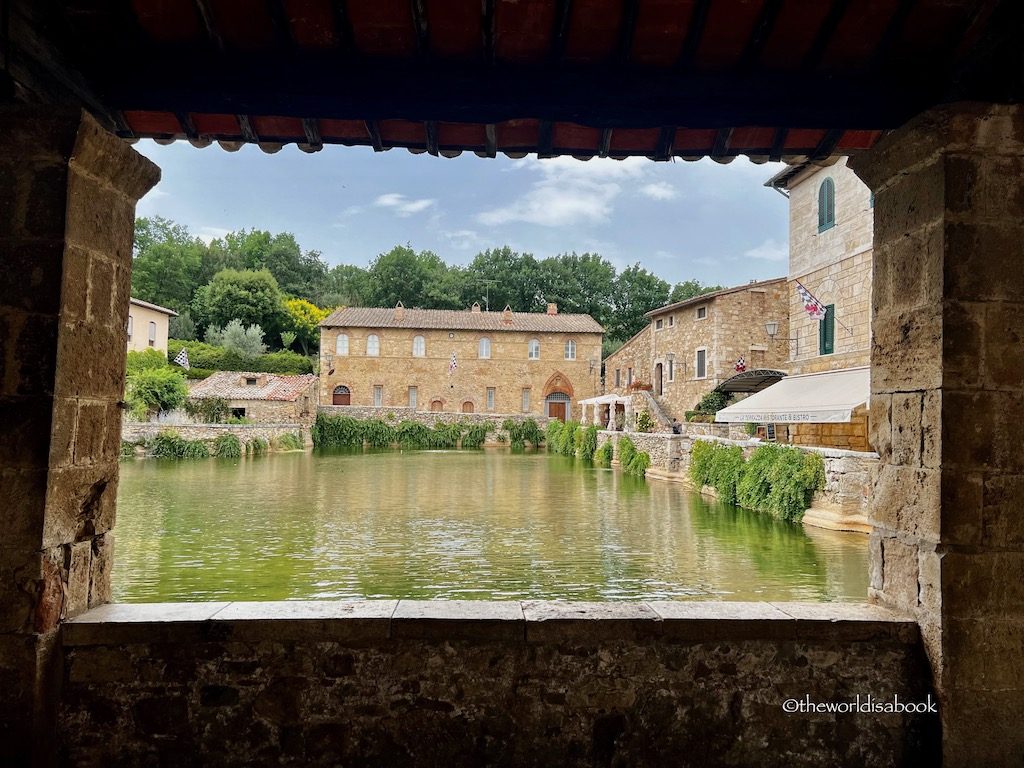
[(644, 684), (432, 418), (134, 432)]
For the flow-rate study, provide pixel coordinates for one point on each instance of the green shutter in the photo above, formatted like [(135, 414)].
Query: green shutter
[(827, 331)]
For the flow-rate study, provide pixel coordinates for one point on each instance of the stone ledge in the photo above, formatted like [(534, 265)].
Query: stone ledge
[(534, 621)]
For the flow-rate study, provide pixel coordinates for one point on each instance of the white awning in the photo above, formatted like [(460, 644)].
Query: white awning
[(810, 398)]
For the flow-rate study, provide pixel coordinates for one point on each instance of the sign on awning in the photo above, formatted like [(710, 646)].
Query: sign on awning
[(810, 398)]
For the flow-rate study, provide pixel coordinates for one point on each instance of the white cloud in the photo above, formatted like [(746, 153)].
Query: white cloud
[(403, 206), (464, 239), (569, 192), (209, 234), (659, 190), (769, 250)]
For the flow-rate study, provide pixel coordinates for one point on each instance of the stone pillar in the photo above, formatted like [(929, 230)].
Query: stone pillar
[(947, 411), (67, 204), (630, 423), (611, 416)]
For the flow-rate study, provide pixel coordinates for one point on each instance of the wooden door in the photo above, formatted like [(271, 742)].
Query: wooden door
[(436, 406), (658, 380), (467, 407), (341, 396), (556, 410)]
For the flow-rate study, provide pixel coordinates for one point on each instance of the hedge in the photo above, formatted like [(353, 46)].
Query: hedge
[(206, 357)]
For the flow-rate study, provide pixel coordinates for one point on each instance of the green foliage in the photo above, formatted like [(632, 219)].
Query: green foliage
[(208, 410), (604, 455), (257, 447), (331, 430), (127, 450), (302, 319), (636, 292), (726, 471), (168, 444), (252, 297), (696, 416), (553, 435), (198, 373), (145, 360), (691, 289), (566, 442), (750, 428), (152, 390), (236, 339), (227, 447), (700, 462), (627, 450), (183, 327), (632, 461), (476, 434), (794, 478), (337, 431), (522, 432), (644, 421), (713, 402), (206, 358), (287, 339), (289, 441), (588, 443)]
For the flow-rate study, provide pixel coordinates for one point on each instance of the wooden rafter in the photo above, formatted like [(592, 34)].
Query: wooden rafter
[(209, 23), (248, 132), (279, 21), (342, 25), (827, 145), (605, 145), (491, 135), (419, 22), (373, 129), (431, 130), (630, 11), (762, 30), (778, 145), (487, 28), (721, 145), (560, 31), (694, 33), (312, 131), (825, 34), (666, 137), (545, 139), (187, 125)]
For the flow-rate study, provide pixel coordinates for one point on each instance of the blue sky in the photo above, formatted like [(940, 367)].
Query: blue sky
[(703, 220)]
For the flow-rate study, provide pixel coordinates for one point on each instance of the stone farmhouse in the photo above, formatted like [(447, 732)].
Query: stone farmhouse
[(148, 326), (691, 347), (462, 361), (830, 254), (263, 398)]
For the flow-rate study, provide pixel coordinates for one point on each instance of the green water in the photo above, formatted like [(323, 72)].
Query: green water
[(440, 524)]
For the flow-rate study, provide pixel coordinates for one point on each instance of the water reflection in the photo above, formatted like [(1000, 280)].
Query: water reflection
[(437, 524)]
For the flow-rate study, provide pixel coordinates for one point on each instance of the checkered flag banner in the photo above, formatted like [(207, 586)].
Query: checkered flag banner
[(814, 308), (452, 365), (741, 365), (182, 358)]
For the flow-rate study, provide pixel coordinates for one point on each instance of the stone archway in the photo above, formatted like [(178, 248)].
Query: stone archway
[(436, 405), (559, 382), (468, 406), (342, 395)]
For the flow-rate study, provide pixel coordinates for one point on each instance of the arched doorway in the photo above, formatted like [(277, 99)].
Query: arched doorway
[(556, 405), (436, 406), (658, 389), (467, 407), (342, 396)]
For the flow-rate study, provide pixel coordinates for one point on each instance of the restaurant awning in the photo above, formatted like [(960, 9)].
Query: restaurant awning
[(810, 398)]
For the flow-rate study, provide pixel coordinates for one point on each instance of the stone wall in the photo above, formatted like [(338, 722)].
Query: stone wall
[(430, 418), (445, 683), (135, 432), (851, 435)]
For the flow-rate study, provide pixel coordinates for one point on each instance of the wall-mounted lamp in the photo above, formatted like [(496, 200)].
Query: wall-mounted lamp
[(772, 329), (329, 362), (593, 364)]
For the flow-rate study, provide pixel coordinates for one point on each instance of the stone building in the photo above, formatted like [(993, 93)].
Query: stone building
[(691, 347), (830, 254), (467, 361), (263, 398), (148, 325)]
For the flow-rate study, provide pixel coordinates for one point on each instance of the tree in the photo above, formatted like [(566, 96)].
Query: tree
[(247, 343), (500, 277), (636, 292), (690, 289), (579, 284), (346, 285), (182, 327), (303, 318), (404, 275), (152, 390), (251, 297), (167, 265)]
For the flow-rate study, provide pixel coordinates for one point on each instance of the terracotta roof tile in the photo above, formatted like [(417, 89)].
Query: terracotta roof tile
[(460, 320), (270, 386)]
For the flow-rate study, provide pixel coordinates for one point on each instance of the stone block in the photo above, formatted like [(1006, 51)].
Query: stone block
[(929, 564), (875, 560), (87, 360), (961, 499), (20, 577), (100, 569), (906, 351), (983, 261), (30, 275), (347, 622), (1002, 514), (910, 203), (25, 494), (906, 429), (34, 358), (984, 187), (113, 624), (47, 202), (99, 153), (906, 500), (977, 729), (900, 574), (931, 429), (25, 439), (587, 623), (458, 620), (80, 503), (988, 437), (683, 620), (1004, 346), (62, 433), (90, 433), (880, 425), (963, 338), (101, 220), (983, 584), (79, 567), (100, 307), (984, 654)]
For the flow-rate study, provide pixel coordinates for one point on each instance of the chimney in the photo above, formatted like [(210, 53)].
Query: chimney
[(475, 307), (506, 315), (399, 311), (552, 309)]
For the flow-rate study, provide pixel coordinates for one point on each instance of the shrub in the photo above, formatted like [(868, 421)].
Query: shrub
[(755, 486), (182, 327), (257, 446), (794, 477), (198, 373), (713, 402), (152, 390), (289, 441), (476, 434), (284, 362), (605, 454), (168, 444), (588, 445), (127, 450), (330, 431), (246, 342), (726, 471), (700, 462), (227, 447), (208, 410), (567, 438), (553, 434), (145, 360), (207, 357), (639, 464), (627, 450), (644, 422)]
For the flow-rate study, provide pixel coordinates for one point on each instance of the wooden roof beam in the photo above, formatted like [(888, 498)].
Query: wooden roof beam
[(545, 139), (280, 23), (666, 137), (605, 145), (720, 148), (762, 31), (778, 145), (627, 28), (698, 20), (248, 132), (419, 23), (487, 27), (311, 128), (491, 135), (825, 34), (373, 129), (431, 130), (827, 145), (209, 24), (560, 31), (342, 26)]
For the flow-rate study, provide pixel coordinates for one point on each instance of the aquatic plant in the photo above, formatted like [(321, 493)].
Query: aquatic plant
[(476, 434), (227, 447), (588, 443), (257, 446), (290, 441), (168, 444), (605, 454)]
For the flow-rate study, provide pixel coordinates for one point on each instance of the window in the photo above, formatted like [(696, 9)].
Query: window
[(413, 397), (490, 398), (570, 350), (378, 395), (373, 345), (659, 324), (341, 344), (702, 364), (238, 413), (152, 333), (671, 320), (526, 400), (130, 323), (702, 312), (618, 377), (250, 381), (671, 369), (827, 331), (826, 205), (483, 350), (534, 349), (419, 346), (629, 377)]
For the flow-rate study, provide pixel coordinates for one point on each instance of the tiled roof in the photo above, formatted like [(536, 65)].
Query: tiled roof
[(157, 307), (270, 386), (714, 295), (459, 320)]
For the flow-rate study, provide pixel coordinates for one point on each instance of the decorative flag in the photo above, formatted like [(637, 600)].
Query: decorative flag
[(452, 365), (812, 306), (741, 365), (182, 358)]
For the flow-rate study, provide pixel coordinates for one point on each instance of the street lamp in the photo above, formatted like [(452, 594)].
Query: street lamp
[(772, 329), (329, 360)]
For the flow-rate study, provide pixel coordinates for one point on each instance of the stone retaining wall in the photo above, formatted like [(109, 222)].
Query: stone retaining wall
[(439, 683), (432, 418), (134, 432)]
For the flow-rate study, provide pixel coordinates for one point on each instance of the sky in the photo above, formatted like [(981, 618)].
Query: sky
[(703, 220)]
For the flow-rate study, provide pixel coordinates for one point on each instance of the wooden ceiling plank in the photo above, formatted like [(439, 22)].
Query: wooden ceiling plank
[(666, 137), (560, 31), (827, 145), (419, 20), (209, 23), (630, 12), (606, 143), (698, 20), (778, 145), (312, 131), (763, 28), (825, 34)]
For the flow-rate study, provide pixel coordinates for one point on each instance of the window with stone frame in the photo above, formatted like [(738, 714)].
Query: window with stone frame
[(413, 397), (152, 333), (341, 344), (419, 346), (490, 398), (483, 350), (570, 349), (378, 395), (526, 400), (373, 345), (701, 364), (534, 349)]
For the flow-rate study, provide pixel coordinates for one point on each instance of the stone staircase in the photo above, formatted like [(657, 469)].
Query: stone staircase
[(651, 404)]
